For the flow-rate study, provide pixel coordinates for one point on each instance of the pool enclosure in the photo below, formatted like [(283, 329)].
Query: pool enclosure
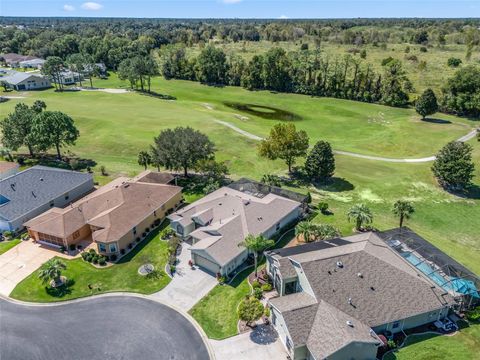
[(444, 271)]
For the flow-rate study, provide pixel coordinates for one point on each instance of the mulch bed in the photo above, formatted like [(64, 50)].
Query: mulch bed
[(261, 279)]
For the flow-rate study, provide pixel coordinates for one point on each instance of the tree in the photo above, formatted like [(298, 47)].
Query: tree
[(286, 143), (52, 68), (212, 66), (276, 67), (250, 310), (325, 232), (76, 63), (393, 84), (461, 95), (253, 75), (306, 230), (426, 104), (453, 166), (144, 159), (52, 271), (454, 62), (361, 215), (17, 126), (53, 128), (256, 244), (320, 163), (271, 180), (38, 106), (182, 148), (212, 169), (403, 209)]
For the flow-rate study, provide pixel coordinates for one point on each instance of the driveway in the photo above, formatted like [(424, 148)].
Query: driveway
[(112, 327), (20, 261), (261, 343), (187, 286)]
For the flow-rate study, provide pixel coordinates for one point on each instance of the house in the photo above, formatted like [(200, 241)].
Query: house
[(116, 216), (219, 222), (13, 59), (25, 81), (35, 190), (33, 63), (8, 169), (337, 295), (68, 77)]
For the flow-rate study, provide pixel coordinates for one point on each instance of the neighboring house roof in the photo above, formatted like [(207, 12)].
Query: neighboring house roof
[(148, 176), (230, 216), (32, 62), (13, 57), (6, 166), (112, 210), (18, 77), (358, 279), (36, 186)]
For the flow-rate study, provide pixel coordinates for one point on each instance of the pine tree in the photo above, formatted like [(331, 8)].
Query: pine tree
[(426, 104), (320, 163)]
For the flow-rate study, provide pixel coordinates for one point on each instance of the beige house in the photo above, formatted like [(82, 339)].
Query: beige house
[(115, 217), (337, 295)]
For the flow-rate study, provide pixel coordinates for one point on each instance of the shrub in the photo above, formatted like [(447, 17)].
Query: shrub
[(85, 255), (172, 260), (8, 234), (130, 245), (304, 47), (138, 239), (92, 251), (72, 247), (122, 251), (221, 279), (267, 287), (255, 284), (267, 311), (103, 170), (257, 293), (95, 259), (88, 258), (454, 62), (102, 261), (266, 277), (173, 244), (144, 234), (413, 58), (250, 310), (322, 207), (474, 314), (113, 257), (387, 60), (62, 249), (172, 269), (423, 49), (157, 222), (363, 54), (147, 230), (391, 344)]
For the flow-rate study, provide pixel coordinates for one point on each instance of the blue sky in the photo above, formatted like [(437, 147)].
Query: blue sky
[(242, 8)]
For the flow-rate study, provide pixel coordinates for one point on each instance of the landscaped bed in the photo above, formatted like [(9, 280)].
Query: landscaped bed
[(85, 280)]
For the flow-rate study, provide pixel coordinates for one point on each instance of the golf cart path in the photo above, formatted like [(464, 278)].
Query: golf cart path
[(464, 138)]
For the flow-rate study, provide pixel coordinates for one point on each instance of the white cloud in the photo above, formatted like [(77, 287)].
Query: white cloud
[(67, 7), (91, 6), (283, 17), (231, 1)]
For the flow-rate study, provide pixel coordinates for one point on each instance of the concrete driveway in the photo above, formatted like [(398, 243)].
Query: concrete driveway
[(187, 286), (105, 328), (20, 261), (261, 343)]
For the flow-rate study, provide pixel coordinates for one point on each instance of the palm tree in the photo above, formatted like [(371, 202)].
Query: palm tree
[(144, 159), (403, 209), (52, 270), (256, 244), (361, 214), (306, 229), (325, 232)]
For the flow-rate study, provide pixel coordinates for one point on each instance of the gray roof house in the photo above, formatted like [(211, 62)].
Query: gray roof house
[(33, 191), (337, 295), (219, 222), (25, 81)]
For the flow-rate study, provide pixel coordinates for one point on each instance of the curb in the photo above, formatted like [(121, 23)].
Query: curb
[(187, 316)]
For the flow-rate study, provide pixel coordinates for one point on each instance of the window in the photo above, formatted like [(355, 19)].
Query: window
[(395, 325), (101, 247), (155, 213), (51, 203), (67, 196), (277, 227), (113, 248), (134, 230)]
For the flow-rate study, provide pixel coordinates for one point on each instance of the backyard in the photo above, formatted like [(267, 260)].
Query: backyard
[(86, 280)]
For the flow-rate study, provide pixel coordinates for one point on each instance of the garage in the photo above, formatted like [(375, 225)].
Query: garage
[(205, 263)]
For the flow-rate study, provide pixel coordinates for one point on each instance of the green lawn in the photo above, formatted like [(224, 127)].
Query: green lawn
[(462, 346), (217, 311), (88, 280), (7, 245)]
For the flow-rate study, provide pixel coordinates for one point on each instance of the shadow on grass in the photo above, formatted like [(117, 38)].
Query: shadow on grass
[(264, 112), (336, 184), (156, 95), (473, 192), (436, 121), (61, 291)]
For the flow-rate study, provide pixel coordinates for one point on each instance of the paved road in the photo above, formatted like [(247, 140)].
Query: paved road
[(107, 328), (464, 138)]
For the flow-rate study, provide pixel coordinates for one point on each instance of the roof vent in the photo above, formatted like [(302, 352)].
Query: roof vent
[(339, 264), (12, 186), (33, 194), (349, 323), (360, 275), (220, 204), (350, 300), (41, 179), (329, 272), (372, 288)]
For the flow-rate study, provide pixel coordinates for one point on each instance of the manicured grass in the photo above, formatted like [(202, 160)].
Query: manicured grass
[(88, 280), (8, 244), (462, 346), (217, 311)]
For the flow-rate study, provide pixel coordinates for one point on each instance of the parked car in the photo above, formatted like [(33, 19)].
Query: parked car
[(446, 325)]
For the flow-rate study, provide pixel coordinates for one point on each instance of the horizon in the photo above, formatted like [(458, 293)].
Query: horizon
[(244, 9)]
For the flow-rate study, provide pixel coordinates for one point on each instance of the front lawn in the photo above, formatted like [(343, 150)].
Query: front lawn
[(86, 280), (462, 346), (8, 244), (217, 311)]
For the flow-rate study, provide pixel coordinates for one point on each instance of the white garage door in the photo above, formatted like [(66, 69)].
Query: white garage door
[(205, 263)]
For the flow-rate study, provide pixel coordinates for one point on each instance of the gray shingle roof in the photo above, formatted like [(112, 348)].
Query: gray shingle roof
[(36, 186), (18, 77)]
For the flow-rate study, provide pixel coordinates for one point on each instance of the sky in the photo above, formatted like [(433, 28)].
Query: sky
[(275, 9)]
